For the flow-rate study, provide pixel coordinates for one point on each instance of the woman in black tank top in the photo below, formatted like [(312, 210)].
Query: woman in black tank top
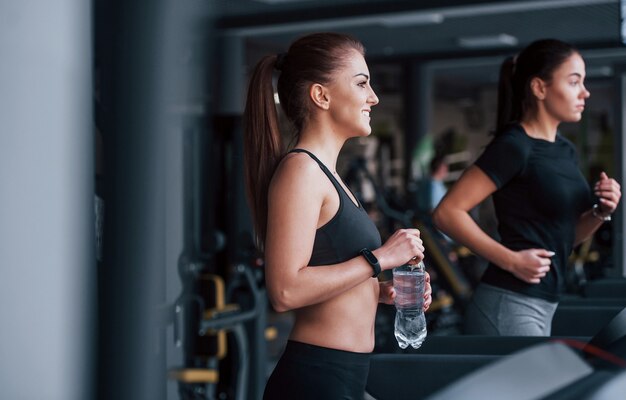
[(322, 251)]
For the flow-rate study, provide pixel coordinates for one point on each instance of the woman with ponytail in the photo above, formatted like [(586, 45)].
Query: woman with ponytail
[(322, 252), (543, 204)]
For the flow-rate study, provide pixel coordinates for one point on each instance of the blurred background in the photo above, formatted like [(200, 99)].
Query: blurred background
[(127, 265)]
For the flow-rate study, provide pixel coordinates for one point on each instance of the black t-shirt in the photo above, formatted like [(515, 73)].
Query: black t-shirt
[(541, 194)]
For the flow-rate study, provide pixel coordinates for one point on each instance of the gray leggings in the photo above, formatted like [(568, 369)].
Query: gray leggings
[(501, 312)]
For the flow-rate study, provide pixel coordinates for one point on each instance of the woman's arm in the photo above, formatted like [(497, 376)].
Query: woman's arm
[(609, 193), (298, 200), (452, 217)]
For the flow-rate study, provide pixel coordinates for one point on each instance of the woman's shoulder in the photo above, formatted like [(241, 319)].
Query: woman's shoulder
[(297, 168), (513, 139), (299, 163), (514, 133), (298, 182)]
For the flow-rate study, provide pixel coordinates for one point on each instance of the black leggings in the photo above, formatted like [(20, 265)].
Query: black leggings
[(312, 372)]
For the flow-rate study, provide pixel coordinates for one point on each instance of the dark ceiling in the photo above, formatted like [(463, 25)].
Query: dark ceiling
[(395, 30), (425, 28)]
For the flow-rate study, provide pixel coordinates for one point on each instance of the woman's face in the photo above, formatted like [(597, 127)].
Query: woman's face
[(566, 93), (352, 97)]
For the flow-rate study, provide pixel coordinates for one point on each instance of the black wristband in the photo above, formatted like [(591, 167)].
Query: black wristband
[(372, 260)]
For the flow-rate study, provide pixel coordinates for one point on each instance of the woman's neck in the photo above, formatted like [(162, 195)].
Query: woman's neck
[(540, 128), (324, 144)]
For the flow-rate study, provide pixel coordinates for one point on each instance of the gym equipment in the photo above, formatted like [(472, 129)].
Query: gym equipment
[(444, 359), (605, 288), (528, 374), (612, 389), (414, 376), (611, 338), (582, 320), (454, 280), (548, 371), (592, 301), (197, 379), (208, 308), (485, 345)]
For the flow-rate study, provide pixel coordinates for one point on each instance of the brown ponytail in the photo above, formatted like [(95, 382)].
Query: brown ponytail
[(262, 142)]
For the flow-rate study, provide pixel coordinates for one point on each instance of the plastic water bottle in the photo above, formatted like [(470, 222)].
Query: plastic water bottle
[(410, 324)]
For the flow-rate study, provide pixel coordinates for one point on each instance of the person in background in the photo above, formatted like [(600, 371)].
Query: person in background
[(438, 173), (542, 202), (322, 252)]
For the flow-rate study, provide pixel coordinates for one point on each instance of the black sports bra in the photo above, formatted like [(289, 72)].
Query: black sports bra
[(349, 231)]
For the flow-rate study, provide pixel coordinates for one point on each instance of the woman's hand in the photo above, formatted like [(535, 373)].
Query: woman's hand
[(428, 291), (388, 293), (608, 192), (531, 265), (404, 246)]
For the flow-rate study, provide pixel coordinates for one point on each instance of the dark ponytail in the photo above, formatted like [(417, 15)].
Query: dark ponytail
[(311, 59), (506, 109), (262, 142), (538, 60)]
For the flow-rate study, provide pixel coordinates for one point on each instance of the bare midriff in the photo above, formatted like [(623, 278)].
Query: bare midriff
[(345, 322)]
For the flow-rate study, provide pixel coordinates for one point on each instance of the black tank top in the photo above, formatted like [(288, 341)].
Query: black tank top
[(349, 231)]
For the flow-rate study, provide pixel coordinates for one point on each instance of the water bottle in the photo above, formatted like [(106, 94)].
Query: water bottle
[(410, 324)]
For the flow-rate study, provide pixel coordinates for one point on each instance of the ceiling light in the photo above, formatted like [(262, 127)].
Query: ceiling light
[(279, 1), (409, 19), (387, 20), (488, 41)]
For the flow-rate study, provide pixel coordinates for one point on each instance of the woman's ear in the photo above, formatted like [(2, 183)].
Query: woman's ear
[(319, 95), (538, 87)]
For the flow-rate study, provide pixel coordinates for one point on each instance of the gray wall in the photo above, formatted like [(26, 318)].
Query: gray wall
[(47, 260)]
